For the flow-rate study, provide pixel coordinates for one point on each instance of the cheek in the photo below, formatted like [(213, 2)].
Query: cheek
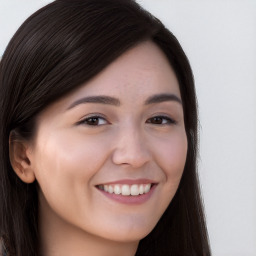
[(172, 157), (66, 164), (73, 156)]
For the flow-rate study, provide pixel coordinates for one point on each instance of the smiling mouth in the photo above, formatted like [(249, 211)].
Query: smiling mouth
[(125, 189)]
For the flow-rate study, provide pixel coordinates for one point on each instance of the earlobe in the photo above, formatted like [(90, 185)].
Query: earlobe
[(20, 160)]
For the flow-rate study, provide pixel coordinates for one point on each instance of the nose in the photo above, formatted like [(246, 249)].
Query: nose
[(131, 149)]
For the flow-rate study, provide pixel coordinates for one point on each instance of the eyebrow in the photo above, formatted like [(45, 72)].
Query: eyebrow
[(96, 99), (158, 98), (162, 98)]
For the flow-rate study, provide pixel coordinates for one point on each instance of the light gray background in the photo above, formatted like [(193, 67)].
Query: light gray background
[(219, 37)]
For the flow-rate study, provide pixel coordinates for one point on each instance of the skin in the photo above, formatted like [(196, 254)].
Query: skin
[(70, 155)]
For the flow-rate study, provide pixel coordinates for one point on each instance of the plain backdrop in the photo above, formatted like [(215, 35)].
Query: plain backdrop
[(219, 38)]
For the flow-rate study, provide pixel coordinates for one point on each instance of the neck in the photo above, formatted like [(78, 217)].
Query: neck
[(59, 238)]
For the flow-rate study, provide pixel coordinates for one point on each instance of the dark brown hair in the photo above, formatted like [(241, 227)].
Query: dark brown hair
[(57, 49)]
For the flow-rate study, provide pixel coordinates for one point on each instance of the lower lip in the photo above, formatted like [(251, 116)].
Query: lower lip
[(140, 199)]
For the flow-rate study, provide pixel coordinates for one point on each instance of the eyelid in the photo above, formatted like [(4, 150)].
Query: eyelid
[(170, 120), (94, 115)]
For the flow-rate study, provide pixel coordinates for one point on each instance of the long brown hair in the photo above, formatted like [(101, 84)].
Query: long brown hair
[(57, 49)]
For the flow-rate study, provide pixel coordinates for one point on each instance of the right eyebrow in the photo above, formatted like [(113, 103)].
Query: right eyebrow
[(96, 99)]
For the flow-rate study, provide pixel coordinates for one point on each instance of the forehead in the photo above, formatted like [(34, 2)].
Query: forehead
[(141, 71)]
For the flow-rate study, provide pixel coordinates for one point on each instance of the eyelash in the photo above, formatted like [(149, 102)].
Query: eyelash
[(95, 119), (169, 121)]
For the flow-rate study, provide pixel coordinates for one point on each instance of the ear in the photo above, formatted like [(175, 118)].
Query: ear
[(19, 152)]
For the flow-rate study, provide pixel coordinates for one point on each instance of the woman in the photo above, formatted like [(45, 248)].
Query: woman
[(98, 136)]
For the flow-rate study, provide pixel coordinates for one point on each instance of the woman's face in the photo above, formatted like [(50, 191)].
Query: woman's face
[(123, 132)]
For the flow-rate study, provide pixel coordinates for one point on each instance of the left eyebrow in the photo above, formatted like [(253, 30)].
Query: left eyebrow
[(162, 98)]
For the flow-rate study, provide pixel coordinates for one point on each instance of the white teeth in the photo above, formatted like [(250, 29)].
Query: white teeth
[(126, 190), (110, 189), (117, 190), (147, 188), (135, 190), (141, 189), (106, 188)]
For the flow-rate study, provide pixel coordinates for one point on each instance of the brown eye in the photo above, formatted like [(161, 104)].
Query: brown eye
[(160, 120), (94, 121)]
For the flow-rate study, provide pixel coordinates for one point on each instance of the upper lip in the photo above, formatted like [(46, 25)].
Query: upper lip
[(130, 181)]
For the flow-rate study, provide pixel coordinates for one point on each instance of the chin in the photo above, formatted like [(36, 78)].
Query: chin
[(131, 234)]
